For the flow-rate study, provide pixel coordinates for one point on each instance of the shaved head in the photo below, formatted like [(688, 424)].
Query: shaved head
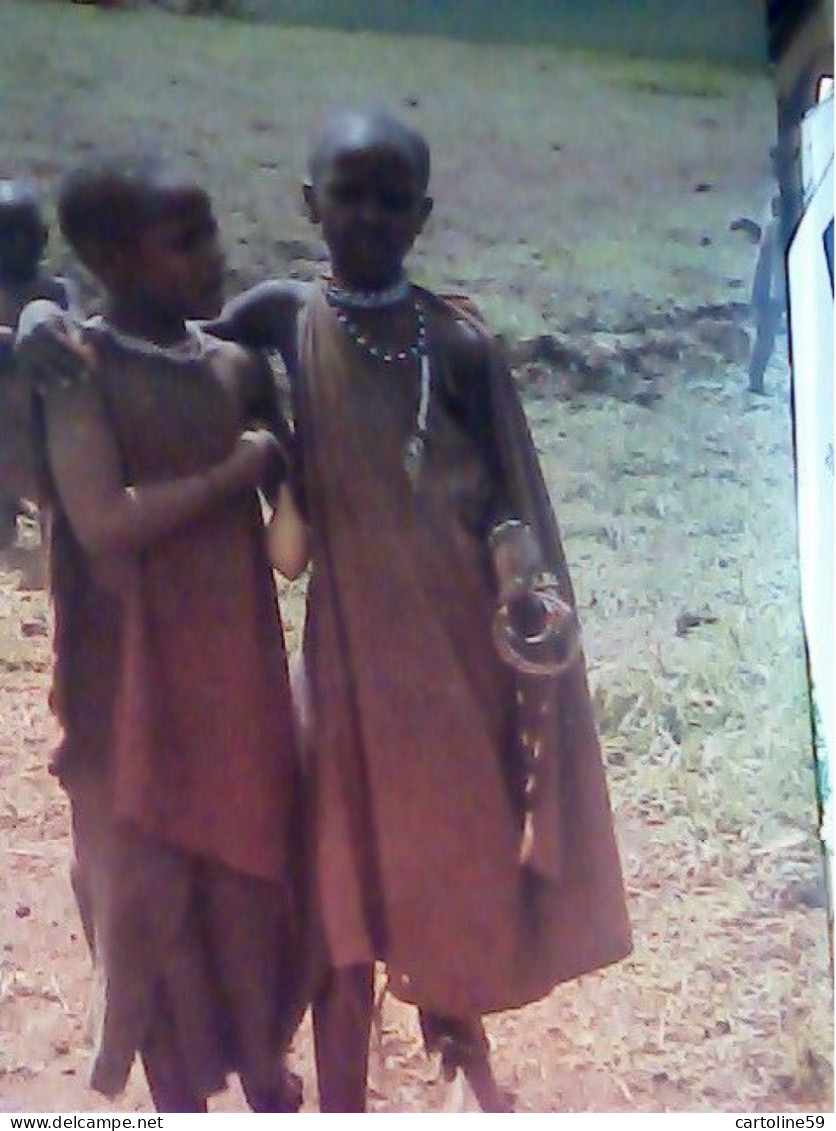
[(355, 130), (23, 231), (19, 196)]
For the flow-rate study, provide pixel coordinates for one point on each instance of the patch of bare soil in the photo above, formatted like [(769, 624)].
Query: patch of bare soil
[(570, 207)]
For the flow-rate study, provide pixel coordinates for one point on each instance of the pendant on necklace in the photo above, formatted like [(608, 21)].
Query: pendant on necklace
[(413, 457), (416, 445)]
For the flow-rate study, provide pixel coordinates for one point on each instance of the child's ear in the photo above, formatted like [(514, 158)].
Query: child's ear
[(425, 211), (309, 198)]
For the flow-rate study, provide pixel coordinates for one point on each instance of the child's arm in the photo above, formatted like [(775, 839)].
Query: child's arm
[(264, 400), (47, 346), (287, 536), (465, 381), (264, 317), (18, 462), (109, 517), (517, 559), (286, 533)]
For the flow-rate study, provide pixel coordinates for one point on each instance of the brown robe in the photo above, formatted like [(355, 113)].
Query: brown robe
[(417, 728), (178, 751)]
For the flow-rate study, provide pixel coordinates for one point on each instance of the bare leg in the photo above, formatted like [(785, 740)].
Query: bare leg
[(167, 1080), (286, 1096), (254, 971), (342, 1016), (463, 1046), (84, 902), (762, 349)]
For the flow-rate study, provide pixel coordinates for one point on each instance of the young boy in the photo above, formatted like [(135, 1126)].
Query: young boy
[(170, 676), (23, 238), (462, 827)]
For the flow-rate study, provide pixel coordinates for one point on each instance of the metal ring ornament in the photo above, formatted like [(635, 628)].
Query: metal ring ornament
[(555, 645)]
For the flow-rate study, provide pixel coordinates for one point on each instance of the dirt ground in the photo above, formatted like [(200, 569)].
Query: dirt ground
[(581, 200)]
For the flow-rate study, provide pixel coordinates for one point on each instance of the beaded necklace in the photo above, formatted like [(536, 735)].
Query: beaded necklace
[(415, 447), (192, 347), (416, 349), (370, 300)]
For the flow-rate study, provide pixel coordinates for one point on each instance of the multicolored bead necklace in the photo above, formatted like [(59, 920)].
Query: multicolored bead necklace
[(370, 300), (418, 348), (415, 447)]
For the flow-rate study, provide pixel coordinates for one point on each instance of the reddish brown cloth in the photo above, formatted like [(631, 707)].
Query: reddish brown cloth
[(190, 958), (178, 755), (181, 680), (415, 726)]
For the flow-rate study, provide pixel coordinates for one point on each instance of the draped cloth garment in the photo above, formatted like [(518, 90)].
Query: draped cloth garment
[(178, 750), (417, 728)]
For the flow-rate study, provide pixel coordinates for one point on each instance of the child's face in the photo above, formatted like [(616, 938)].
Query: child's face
[(371, 208), (176, 268), (22, 241)]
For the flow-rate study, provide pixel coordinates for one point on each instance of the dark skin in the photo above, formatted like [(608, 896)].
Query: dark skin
[(23, 237), (370, 203), (370, 206), (171, 272), (370, 210)]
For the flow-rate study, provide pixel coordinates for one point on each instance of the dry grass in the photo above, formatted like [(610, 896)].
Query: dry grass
[(682, 507), (707, 737)]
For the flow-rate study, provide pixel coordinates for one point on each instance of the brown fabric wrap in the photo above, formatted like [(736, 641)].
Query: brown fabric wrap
[(178, 756), (416, 725), (170, 663)]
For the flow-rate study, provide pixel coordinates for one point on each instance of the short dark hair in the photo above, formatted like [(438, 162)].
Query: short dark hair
[(369, 127), (107, 200)]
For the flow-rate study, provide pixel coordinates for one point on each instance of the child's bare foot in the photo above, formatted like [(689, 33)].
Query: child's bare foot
[(463, 1048), (285, 1097)]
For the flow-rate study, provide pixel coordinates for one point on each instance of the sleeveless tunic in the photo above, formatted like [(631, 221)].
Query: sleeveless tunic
[(178, 751)]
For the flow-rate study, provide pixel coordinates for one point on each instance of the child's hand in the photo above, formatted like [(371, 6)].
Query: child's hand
[(517, 562), (47, 348), (287, 536), (517, 559), (259, 458), (535, 630)]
